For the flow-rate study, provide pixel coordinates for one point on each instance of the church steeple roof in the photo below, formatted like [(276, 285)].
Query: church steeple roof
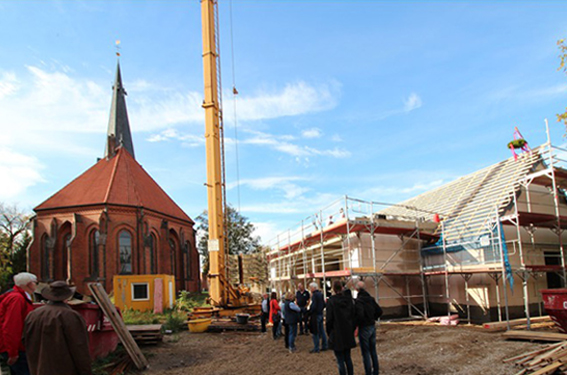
[(118, 134)]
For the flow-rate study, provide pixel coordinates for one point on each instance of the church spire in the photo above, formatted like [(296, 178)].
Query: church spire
[(118, 134)]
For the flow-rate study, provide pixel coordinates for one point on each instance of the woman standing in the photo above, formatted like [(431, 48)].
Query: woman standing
[(275, 316), (292, 318), (341, 326)]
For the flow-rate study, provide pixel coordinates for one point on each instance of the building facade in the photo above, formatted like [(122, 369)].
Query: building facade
[(113, 219)]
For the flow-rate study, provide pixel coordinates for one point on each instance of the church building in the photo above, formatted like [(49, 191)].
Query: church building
[(113, 219)]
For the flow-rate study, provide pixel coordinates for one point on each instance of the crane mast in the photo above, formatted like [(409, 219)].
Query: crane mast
[(211, 104)]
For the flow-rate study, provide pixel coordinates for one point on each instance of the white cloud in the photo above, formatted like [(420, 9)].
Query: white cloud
[(18, 172), (336, 138), (284, 184), (187, 139), (312, 133), (266, 231), (279, 144), (8, 84), (412, 102), (294, 99)]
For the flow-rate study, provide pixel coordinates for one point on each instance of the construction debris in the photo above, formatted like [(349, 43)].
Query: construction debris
[(502, 326), (543, 361), (111, 313), (250, 270), (534, 336), (146, 334)]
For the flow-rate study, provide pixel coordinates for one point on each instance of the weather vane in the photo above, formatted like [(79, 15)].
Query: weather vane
[(118, 48)]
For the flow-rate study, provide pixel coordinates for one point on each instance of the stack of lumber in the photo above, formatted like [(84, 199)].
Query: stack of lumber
[(254, 270), (146, 334), (534, 336), (503, 326), (227, 324), (546, 361)]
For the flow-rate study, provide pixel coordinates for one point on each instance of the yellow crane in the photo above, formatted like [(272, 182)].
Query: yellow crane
[(221, 293)]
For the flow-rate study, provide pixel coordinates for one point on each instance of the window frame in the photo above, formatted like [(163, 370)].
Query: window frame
[(147, 285)]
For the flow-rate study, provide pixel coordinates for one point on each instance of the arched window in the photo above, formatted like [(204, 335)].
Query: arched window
[(188, 252), (153, 258), (45, 274), (172, 246), (94, 240), (125, 252), (64, 255)]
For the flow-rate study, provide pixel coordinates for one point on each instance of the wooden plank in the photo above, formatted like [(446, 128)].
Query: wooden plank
[(144, 328), (501, 326), (531, 354), (534, 336), (550, 369), (117, 323)]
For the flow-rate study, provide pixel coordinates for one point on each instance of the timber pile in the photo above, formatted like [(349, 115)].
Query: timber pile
[(226, 324), (534, 336), (546, 361), (146, 334), (254, 269), (502, 326)]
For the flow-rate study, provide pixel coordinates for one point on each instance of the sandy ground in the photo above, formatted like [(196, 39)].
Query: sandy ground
[(402, 349)]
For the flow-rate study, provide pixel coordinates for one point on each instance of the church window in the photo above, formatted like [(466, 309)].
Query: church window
[(153, 258), (94, 240), (125, 252)]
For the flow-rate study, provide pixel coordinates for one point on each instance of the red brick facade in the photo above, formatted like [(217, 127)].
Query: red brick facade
[(64, 240)]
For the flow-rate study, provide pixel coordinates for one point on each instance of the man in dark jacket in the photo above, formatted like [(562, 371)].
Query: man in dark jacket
[(341, 326), (367, 312), (302, 298), (316, 313), (265, 311), (56, 336), (15, 305)]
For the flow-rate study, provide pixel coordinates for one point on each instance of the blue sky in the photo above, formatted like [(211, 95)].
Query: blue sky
[(374, 99)]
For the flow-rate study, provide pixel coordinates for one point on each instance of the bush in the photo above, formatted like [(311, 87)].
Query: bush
[(188, 301), (174, 321), (135, 317)]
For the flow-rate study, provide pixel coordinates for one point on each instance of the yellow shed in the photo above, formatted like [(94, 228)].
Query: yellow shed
[(144, 292)]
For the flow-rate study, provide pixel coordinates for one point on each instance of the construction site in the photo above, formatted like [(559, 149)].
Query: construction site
[(482, 246), (468, 277)]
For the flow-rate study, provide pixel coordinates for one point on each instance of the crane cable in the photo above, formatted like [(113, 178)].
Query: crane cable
[(234, 98)]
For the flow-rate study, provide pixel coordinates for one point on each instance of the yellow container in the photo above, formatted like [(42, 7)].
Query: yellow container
[(144, 292), (199, 325)]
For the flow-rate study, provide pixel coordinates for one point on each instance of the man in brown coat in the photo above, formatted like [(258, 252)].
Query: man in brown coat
[(56, 336)]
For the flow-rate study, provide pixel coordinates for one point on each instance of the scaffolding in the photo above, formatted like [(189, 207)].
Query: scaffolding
[(339, 241), (495, 224)]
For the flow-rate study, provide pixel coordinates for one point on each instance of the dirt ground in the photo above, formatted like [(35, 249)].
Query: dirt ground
[(402, 349)]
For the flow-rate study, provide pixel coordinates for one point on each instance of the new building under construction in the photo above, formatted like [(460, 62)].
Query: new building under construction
[(482, 246)]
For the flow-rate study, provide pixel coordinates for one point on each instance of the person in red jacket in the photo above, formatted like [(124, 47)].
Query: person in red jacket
[(15, 305), (275, 315)]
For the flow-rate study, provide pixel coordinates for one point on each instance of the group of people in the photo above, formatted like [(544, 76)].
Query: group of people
[(303, 310), (345, 317), (51, 339)]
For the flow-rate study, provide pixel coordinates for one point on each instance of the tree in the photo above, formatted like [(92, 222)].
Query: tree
[(240, 234), (562, 117), (15, 238)]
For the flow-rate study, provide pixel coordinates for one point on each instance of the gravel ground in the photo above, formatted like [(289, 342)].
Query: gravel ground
[(402, 349)]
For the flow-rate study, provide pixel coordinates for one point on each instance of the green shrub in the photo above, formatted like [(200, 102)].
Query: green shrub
[(174, 321), (187, 301), (135, 317)]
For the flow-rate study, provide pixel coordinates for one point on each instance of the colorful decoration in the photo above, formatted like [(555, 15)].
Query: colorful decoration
[(518, 143)]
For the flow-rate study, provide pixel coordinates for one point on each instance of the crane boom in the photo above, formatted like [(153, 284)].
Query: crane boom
[(211, 105)]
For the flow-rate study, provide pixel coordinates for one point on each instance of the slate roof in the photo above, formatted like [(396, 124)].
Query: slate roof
[(118, 124)]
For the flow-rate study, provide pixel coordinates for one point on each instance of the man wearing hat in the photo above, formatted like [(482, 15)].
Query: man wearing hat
[(56, 336)]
